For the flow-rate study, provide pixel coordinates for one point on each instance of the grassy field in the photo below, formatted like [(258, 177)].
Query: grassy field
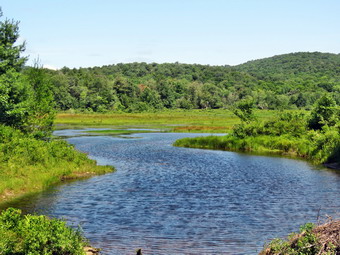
[(212, 121)]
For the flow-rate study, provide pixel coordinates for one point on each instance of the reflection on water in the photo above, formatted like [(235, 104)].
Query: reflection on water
[(170, 200)]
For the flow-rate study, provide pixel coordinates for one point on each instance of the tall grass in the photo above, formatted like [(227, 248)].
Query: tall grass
[(280, 137), (260, 144), (28, 164)]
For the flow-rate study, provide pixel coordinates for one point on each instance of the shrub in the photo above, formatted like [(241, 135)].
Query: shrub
[(32, 234), (326, 144)]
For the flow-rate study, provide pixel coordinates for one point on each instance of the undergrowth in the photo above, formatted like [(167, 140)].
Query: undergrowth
[(35, 235), (28, 164), (287, 134)]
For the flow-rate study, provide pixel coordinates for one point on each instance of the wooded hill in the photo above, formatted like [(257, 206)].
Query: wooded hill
[(287, 81)]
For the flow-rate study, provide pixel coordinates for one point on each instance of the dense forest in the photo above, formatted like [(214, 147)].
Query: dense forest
[(289, 81)]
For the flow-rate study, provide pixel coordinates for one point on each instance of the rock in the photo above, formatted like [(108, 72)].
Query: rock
[(91, 251)]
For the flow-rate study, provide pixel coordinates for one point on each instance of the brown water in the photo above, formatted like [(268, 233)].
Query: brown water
[(169, 200)]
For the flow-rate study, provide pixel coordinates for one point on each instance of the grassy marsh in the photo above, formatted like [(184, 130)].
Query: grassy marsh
[(209, 121)]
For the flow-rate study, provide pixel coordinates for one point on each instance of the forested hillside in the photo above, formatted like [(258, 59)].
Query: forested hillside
[(287, 81)]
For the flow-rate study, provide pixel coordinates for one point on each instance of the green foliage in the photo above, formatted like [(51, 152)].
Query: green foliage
[(9, 51), (35, 235), (26, 102), (264, 144), (282, 82), (15, 99), (244, 110), (324, 113), (14, 94), (325, 145), (28, 164), (294, 65), (41, 112), (292, 123), (286, 134)]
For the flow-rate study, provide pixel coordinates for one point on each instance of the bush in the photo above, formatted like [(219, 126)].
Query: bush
[(325, 144), (286, 134), (290, 123), (36, 235)]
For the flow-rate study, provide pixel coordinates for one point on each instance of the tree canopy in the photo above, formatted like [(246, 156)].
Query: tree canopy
[(26, 100), (289, 81)]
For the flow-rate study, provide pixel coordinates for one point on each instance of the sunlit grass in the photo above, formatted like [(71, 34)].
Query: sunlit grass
[(277, 137), (217, 121), (282, 145), (30, 165)]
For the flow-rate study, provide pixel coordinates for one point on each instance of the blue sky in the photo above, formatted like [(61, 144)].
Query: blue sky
[(83, 33)]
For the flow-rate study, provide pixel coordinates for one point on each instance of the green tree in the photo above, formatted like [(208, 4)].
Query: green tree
[(26, 101), (324, 113), (244, 110), (61, 91), (211, 96), (9, 52), (15, 97), (14, 93), (42, 110), (152, 98)]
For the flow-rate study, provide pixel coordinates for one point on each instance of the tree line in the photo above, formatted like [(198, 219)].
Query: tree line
[(290, 81)]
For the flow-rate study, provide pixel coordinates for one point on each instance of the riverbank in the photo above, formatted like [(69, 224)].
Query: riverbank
[(312, 239), (293, 134), (286, 135), (30, 165), (319, 152)]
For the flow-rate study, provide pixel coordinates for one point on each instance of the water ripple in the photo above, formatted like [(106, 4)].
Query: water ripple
[(170, 200)]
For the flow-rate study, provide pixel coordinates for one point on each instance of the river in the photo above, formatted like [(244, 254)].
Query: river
[(169, 200)]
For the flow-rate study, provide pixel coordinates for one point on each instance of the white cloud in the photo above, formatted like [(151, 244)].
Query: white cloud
[(50, 67)]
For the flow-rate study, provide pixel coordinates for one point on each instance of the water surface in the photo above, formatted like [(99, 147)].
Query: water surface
[(169, 200)]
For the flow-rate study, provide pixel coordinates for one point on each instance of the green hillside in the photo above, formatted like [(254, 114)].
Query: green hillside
[(291, 65), (287, 81)]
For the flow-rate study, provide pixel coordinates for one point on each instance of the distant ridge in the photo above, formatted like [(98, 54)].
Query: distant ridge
[(316, 63)]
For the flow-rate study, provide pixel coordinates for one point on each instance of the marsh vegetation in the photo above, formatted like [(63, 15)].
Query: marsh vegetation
[(314, 136)]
